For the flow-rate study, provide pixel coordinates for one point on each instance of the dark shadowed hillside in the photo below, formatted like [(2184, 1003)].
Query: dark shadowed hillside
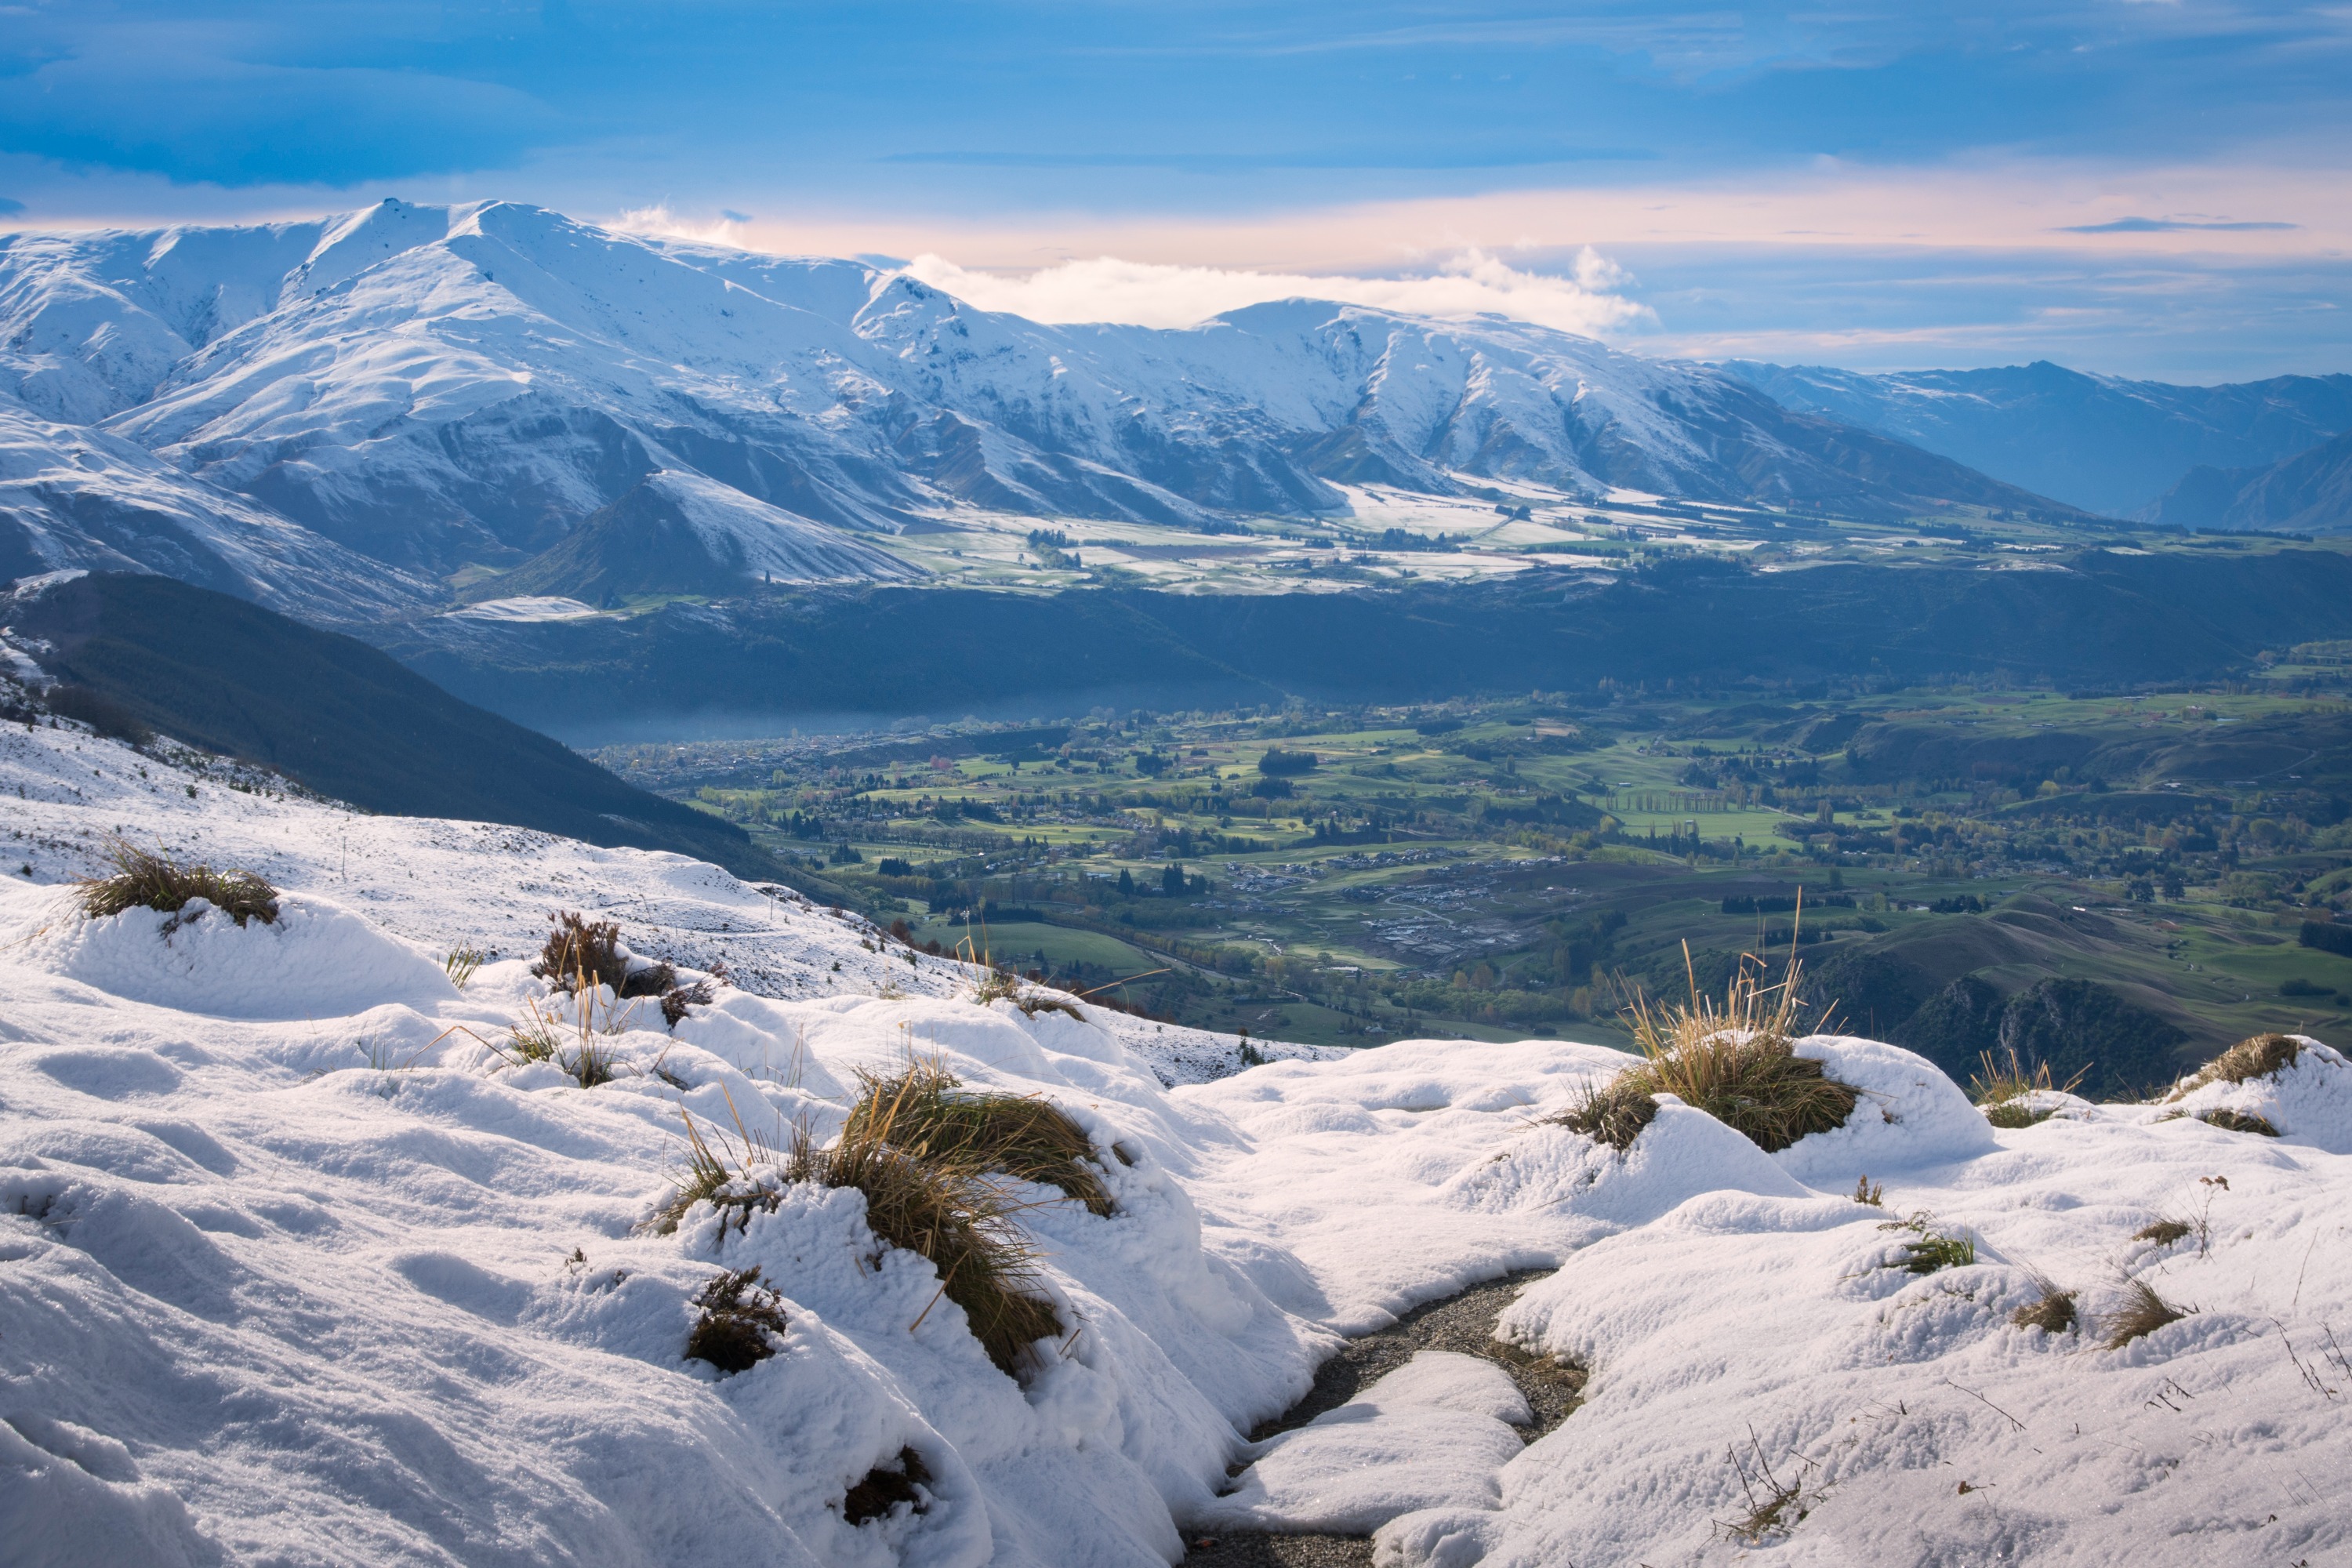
[(336, 715), (2100, 618)]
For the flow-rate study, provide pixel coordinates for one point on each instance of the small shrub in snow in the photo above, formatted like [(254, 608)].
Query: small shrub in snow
[(1774, 1506), (1736, 1061), (2051, 1311), (2143, 1313), (1866, 1191), (460, 965), (2163, 1232), (882, 1489), (142, 879), (737, 1315), (1930, 1249), (2230, 1121), (581, 952), (677, 999), (940, 1205), (2260, 1055), (927, 1111)]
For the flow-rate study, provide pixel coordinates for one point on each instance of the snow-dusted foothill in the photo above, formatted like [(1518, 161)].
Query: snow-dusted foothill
[(342, 1236)]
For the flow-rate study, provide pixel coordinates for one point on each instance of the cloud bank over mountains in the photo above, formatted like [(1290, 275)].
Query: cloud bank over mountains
[(1148, 294)]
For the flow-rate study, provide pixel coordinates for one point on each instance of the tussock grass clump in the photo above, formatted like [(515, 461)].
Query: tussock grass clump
[(728, 1176), (1930, 1249), (2163, 1232), (881, 1490), (460, 964), (144, 879), (927, 1111), (941, 1206), (2051, 1311), (1003, 985), (737, 1315), (1736, 1060), (2230, 1121), (580, 950), (2004, 1090), (2143, 1313), (2258, 1055), (541, 1037)]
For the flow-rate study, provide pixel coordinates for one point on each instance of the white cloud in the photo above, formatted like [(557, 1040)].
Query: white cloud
[(1155, 294), (660, 221)]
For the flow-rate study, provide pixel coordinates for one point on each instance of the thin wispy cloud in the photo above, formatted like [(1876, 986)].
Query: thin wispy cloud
[(2170, 225), (1586, 299)]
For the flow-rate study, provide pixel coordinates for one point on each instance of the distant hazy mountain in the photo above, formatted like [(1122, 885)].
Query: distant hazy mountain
[(429, 387), (2310, 492), (2097, 442)]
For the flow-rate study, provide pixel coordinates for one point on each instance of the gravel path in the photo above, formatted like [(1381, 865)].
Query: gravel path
[(1464, 1323)]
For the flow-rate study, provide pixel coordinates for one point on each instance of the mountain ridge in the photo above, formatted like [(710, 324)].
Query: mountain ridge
[(2101, 443), (433, 389)]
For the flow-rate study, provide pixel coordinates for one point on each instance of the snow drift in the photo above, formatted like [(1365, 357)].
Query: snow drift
[(303, 1256)]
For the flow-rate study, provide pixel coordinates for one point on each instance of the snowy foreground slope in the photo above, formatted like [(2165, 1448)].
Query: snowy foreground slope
[(295, 1267)]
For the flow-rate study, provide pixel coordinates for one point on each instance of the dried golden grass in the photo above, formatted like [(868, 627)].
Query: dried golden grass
[(1736, 1060), (2051, 1311), (2258, 1055), (2143, 1313), (142, 878), (943, 1206), (928, 1112), (2004, 1089), (2230, 1121)]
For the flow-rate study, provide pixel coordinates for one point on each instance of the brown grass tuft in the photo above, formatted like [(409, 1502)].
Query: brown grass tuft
[(737, 1315), (2163, 1232), (940, 1205), (144, 879), (1737, 1061), (2143, 1313), (2051, 1311), (2230, 1121), (927, 1111), (2258, 1055)]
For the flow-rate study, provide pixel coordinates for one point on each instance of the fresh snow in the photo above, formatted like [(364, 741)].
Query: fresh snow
[(295, 1264)]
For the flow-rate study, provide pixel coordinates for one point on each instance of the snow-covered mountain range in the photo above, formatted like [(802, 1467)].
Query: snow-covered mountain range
[(2101, 442), (336, 412)]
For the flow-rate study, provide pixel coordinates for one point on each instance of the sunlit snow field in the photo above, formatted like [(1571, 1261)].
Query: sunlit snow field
[(298, 1265)]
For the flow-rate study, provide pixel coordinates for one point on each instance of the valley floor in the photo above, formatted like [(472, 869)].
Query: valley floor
[(304, 1259)]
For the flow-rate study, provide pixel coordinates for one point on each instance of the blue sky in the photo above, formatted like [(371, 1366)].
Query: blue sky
[(2144, 188)]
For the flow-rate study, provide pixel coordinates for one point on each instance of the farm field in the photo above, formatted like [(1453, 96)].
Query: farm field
[(1981, 869)]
